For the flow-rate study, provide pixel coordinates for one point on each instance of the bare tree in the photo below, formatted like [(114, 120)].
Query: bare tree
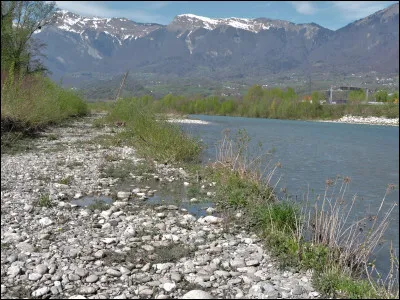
[(20, 19)]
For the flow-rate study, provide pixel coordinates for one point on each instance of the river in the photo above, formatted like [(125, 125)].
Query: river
[(311, 152)]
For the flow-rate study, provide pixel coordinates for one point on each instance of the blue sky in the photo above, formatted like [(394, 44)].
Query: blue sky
[(330, 14)]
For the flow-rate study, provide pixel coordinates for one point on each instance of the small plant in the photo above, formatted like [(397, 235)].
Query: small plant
[(66, 180), (99, 205), (45, 201), (111, 157), (193, 191), (52, 137)]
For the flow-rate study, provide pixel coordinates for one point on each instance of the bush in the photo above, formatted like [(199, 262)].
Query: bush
[(30, 102)]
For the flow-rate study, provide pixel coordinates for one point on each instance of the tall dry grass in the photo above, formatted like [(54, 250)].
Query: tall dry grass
[(342, 245)]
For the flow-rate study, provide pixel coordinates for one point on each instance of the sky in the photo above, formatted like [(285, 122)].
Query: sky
[(330, 14)]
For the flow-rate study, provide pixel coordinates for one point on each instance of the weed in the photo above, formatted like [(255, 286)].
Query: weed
[(45, 201), (111, 157), (66, 180), (99, 205), (5, 246), (52, 137), (121, 170)]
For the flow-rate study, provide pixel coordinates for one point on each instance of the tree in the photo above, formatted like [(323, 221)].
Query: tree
[(19, 20), (317, 96), (254, 93), (356, 96), (381, 96)]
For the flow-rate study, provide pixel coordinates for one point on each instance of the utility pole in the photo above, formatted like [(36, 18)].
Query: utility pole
[(330, 96), (122, 84)]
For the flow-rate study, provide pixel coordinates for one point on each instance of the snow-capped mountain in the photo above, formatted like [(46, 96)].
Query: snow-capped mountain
[(192, 22), (220, 48), (119, 28)]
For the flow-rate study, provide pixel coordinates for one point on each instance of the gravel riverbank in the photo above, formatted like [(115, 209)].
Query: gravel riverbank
[(365, 120), (131, 250)]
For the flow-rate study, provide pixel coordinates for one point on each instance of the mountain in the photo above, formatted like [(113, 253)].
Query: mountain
[(81, 49), (369, 44)]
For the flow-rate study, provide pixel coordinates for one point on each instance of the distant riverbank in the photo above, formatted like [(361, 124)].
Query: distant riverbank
[(365, 120)]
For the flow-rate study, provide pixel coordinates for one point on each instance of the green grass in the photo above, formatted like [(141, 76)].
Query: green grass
[(45, 201), (153, 138), (65, 180)]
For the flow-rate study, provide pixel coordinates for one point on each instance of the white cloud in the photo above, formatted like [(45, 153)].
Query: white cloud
[(304, 7), (353, 10), (98, 9)]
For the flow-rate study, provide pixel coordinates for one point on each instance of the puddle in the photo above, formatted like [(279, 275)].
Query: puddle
[(197, 209), (171, 193), (89, 200)]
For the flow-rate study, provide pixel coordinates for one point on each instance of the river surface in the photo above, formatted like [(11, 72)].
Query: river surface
[(311, 152)]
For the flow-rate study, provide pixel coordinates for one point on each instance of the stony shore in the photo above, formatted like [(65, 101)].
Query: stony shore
[(131, 250), (188, 121), (365, 120)]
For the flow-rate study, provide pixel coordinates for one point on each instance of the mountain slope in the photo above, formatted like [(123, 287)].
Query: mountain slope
[(196, 46)]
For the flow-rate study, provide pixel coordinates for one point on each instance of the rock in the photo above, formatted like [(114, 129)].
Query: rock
[(28, 208), (41, 291), (252, 262), (73, 277), (81, 272), (12, 258), (113, 272), (148, 248), (87, 290), (120, 203), (92, 278), (99, 254), (46, 221), (186, 183), (221, 273), (209, 220), (210, 210), (297, 290), (41, 269), (122, 195), (197, 294), (77, 297), (3, 289), (13, 271), (25, 247), (314, 294), (34, 276), (109, 240), (176, 276), (169, 286), (237, 263), (193, 200)]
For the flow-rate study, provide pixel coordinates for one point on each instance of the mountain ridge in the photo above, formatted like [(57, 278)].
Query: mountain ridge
[(194, 46)]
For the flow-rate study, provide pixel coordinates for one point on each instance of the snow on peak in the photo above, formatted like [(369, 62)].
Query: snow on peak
[(210, 23), (68, 21)]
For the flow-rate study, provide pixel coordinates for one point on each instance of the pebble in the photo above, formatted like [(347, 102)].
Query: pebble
[(92, 278), (197, 294), (34, 276), (113, 272), (40, 292)]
